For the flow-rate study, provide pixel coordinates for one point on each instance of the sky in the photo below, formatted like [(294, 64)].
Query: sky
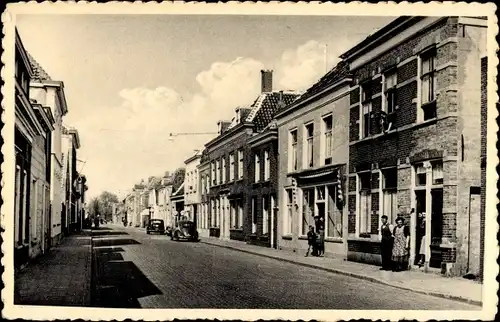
[(131, 80)]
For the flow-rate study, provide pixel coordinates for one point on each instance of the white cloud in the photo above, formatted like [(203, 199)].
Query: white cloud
[(134, 143)]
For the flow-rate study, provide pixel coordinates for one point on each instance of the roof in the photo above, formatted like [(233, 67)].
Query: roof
[(266, 106), (336, 74), (179, 191), (38, 72), (245, 110)]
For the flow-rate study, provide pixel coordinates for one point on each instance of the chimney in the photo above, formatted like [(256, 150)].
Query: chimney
[(222, 126), (266, 81)]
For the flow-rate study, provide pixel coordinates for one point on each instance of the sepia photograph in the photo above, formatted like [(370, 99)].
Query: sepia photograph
[(288, 161)]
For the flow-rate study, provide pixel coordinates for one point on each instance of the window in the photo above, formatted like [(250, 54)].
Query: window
[(390, 200), (265, 215), (364, 197), (217, 174), (234, 215), (17, 205), (240, 213), (224, 169), (390, 91), (289, 212), (328, 139), (257, 167), (212, 169), (437, 173), (366, 106), (240, 164), (292, 166), (334, 215), (231, 166), (307, 209), (254, 215), (267, 165), (428, 84), (421, 175), (309, 162)]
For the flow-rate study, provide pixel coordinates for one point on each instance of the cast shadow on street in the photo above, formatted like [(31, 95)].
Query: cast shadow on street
[(108, 233), (118, 283), (101, 228), (114, 242)]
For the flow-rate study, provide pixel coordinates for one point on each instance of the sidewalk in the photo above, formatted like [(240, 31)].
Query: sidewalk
[(60, 277), (420, 282)]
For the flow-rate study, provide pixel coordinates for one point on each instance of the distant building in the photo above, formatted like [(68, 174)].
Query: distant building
[(192, 196), (71, 222)]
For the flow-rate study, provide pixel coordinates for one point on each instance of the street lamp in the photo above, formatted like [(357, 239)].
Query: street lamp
[(172, 135)]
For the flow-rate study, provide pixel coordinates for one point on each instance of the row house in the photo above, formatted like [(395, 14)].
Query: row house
[(80, 189), (228, 187), (71, 222), (50, 93), (313, 151), (164, 203), (415, 139), (177, 201), (192, 197), (34, 123), (204, 183)]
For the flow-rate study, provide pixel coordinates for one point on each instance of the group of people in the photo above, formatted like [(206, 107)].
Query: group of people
[(316, 238), (395, 244)]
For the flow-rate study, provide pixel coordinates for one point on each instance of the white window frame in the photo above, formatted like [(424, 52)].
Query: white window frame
[(288, 214), (267, 165), (265, 215), (224, 169), (386, 193), (363, 226), (326, 137), (293, 164), (420, 79), (213, 173), (390, 90), (362, 113), (240, 213), (257, 167), (218, 172), (314, 210), (332, 188), (231, 166), (254, 215), (308, 159), (240, 163)]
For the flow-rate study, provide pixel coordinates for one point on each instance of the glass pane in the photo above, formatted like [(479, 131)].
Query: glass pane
[(426, 65), (321, 193), (426, 89), (437, 173)]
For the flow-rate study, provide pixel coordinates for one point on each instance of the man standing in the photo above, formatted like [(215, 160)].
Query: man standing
[(386, 244)]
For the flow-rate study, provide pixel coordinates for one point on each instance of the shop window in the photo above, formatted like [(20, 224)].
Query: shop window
[(334, 215), (289, 212), (390, 201), (265, 215), (364, 197), (240, 213), (307, 209)]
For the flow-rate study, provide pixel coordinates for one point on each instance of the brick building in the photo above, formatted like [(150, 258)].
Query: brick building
[(231, 164), (414, 134), (313, 149), (32, 131)]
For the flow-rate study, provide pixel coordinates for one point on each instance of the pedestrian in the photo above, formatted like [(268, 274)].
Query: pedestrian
[(386, 245), (321, 236), (400, 249), (421, 233), (311, 241)]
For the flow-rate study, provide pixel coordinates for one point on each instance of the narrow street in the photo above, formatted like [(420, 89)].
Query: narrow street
[(136, 270)]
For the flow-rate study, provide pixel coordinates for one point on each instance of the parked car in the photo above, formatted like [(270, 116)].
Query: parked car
[(185, 230), (156, 226)]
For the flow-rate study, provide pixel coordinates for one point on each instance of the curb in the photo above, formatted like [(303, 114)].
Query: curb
[(355, 275), (92, 281)]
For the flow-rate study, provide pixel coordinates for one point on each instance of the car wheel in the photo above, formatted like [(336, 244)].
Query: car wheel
[(147, 232)]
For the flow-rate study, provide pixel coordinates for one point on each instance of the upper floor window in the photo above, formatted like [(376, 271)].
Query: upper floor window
[(217, 174), (328, 139), (292, 164), (257, 167), (240, 164), (428, 84), (366, 109), (214, 178), (223, 169), (267, 165), (309, 145), (231, 166), (390, 81)]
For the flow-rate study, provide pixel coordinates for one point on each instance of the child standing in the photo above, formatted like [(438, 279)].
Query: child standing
[(311, 241)]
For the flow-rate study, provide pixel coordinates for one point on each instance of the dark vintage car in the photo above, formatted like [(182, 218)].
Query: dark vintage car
[(185, 230), (155, 226)]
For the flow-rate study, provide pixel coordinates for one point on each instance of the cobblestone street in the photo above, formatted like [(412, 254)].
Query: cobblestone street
[(135, 270)]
